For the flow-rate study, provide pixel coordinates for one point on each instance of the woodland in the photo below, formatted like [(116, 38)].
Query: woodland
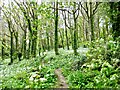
[(59, 44)]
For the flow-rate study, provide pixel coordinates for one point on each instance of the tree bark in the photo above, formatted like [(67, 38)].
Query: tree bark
[(24, 45), (67, 40), (48, 43), (91, 23), (11, 49), (56, 29), (75, 31), (3, 49)]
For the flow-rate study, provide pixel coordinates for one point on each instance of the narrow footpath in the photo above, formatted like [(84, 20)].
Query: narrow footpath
[(61, 79)]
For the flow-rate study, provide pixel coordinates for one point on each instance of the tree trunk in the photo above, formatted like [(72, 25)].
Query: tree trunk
[(98, 18), (29, 48), (91, 23), (34, 37), (67, 40), (71, 32), (115, 19), (75, 31), (56, 29), (51, 42), (48, 44), (62, 38), (86, 31), (30, 38), (11, 49), (24, 45), (16, 41), (104, 33), (83, 27), (3, 49), (34, 43)]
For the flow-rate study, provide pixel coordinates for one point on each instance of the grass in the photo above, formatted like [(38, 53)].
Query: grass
[(79, 71), (18, 74)]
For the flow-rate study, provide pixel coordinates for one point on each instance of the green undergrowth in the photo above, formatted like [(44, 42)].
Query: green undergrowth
[(36, 72), (96, 67), (27, 74), (100, 70)]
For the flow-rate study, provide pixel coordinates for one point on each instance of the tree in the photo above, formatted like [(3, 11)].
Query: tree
[(115, 18), (30, 11), (75, 27), (90, 10), (56, 28), (66, 31), (7, 14), (75, 13)]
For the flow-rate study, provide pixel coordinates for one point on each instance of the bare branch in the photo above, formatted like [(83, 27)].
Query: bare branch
[(62, 9), (64, 17), (96, 6), (86, 10)]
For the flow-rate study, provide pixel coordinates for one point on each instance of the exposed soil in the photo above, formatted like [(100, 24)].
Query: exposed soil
[(61, 79)]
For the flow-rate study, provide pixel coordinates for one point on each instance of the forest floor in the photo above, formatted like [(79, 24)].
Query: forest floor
[(60, 71), (19, 69), (61, 79)]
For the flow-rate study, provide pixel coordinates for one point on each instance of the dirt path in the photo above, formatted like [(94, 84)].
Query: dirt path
[(61, 79)]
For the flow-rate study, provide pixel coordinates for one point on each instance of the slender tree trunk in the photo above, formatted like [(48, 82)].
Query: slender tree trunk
[(48, 44), (29, 48), (67, 40), (56, 29), (83, 27), (86, 32), (98, 18), (75, 32), (66, 32), (104, 33), (11, 43), (11, 49), (34, 43), (51, 42), (30, 38), (43, 42), (39, 45), (16, 41), (62, 38), (71, 36), (71, 32), (24, 40), (3, 49), (91, 23)]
